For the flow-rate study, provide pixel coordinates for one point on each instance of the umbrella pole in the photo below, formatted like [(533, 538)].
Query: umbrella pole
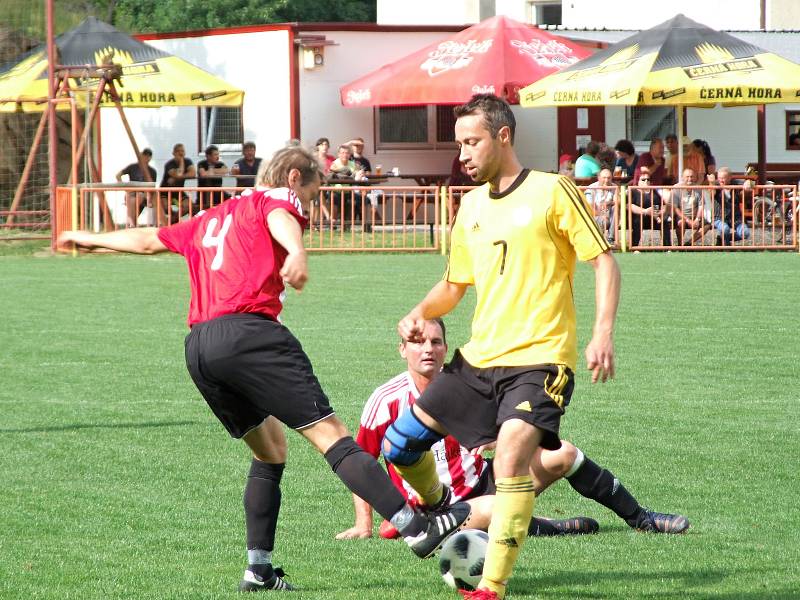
[(761, 118), (681, 133)]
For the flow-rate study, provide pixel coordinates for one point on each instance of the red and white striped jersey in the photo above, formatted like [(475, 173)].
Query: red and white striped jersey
[(457, 467)]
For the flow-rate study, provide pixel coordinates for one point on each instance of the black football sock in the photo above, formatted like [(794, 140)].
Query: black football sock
[(600, 485), (262, 502), (363, 476)]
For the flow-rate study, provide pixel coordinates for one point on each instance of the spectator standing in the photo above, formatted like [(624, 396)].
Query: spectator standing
[(587, 164), (627, 159), (135, 200), (671, 142), (247, 165), (346, 201), (210, 173)]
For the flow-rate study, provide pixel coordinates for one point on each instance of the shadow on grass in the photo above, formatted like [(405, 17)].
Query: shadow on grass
[(77, 426)]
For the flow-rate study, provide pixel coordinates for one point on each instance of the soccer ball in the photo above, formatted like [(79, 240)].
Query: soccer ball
[(461, 559)]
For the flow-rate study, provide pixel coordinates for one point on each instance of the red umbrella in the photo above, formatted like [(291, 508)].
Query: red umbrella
[(498, 56)]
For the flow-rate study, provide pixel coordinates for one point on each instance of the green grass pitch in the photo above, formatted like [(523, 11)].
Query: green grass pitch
[(117, 482)]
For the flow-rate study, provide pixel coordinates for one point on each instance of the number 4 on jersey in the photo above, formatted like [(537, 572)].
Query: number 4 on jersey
[(210, 240)]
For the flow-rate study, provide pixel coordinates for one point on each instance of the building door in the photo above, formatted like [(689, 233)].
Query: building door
[(577, 125)]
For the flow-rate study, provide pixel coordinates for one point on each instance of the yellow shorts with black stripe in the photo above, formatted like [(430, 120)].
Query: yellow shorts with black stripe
[(471, 403)]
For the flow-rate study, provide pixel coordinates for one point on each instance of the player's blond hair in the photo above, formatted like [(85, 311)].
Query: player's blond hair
[(275, 172)]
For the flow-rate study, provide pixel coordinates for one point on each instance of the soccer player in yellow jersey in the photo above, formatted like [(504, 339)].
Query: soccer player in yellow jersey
[(516, 240)]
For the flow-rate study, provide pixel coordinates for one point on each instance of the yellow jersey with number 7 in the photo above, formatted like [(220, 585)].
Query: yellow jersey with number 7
[(519, 248)]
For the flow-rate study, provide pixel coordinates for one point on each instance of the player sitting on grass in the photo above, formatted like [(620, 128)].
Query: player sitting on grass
[(468, 476)]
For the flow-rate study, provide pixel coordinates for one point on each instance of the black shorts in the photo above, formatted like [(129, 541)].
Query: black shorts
[(472, 403), (248, 367)]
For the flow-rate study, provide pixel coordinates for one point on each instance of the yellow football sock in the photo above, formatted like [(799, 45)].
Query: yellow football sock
[(508, 530), (423, 478)]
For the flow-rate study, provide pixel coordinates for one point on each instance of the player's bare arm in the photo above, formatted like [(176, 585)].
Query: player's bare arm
[(442, 298), (140, 240), (600, 351), (362, 529), (288, 233)]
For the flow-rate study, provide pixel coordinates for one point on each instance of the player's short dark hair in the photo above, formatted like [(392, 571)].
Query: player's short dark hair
[(247, 145), (210, 149), (440, 323), (625, 146), (275, 172), (496, 113)]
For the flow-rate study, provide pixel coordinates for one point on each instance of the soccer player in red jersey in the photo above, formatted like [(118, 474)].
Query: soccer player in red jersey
[(469, 476), (250, 369)]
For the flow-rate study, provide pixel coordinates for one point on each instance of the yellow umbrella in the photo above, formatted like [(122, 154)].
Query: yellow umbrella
[(678, 63), (150, 77)]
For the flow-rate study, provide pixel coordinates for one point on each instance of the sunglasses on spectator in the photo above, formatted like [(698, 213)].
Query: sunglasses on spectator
[(644, 179)]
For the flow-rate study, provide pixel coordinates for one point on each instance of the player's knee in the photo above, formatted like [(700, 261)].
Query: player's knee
[(407, 438)]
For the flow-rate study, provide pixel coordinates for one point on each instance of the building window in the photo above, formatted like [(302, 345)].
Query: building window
[(415, 127), (647, 122), (221, 126), (792, 130), (544, 12)]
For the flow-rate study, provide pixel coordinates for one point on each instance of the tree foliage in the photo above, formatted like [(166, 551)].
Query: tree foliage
[(181, 15)]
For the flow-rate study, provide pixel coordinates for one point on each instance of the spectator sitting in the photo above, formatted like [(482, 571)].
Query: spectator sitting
[(626, 158), (587, 164), (345, 168), (362, 164), (728, 212), (654, 161), (710, 163), (685, 206), (603, 196), (646, 210), (606, 157), (566, 166), (210, 171), (247, 165), (134, 200), (176, 171)]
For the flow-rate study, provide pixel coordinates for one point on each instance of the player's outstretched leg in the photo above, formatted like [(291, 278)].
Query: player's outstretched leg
[(573, 526), (441, 524), (600, 485)]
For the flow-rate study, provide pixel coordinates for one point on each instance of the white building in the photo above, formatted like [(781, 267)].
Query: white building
[(292, 73)]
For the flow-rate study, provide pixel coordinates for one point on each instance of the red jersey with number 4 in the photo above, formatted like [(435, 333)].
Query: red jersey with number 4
[(234, 262)]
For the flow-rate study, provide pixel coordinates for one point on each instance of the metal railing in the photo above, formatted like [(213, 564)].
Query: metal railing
[(418, 218)]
